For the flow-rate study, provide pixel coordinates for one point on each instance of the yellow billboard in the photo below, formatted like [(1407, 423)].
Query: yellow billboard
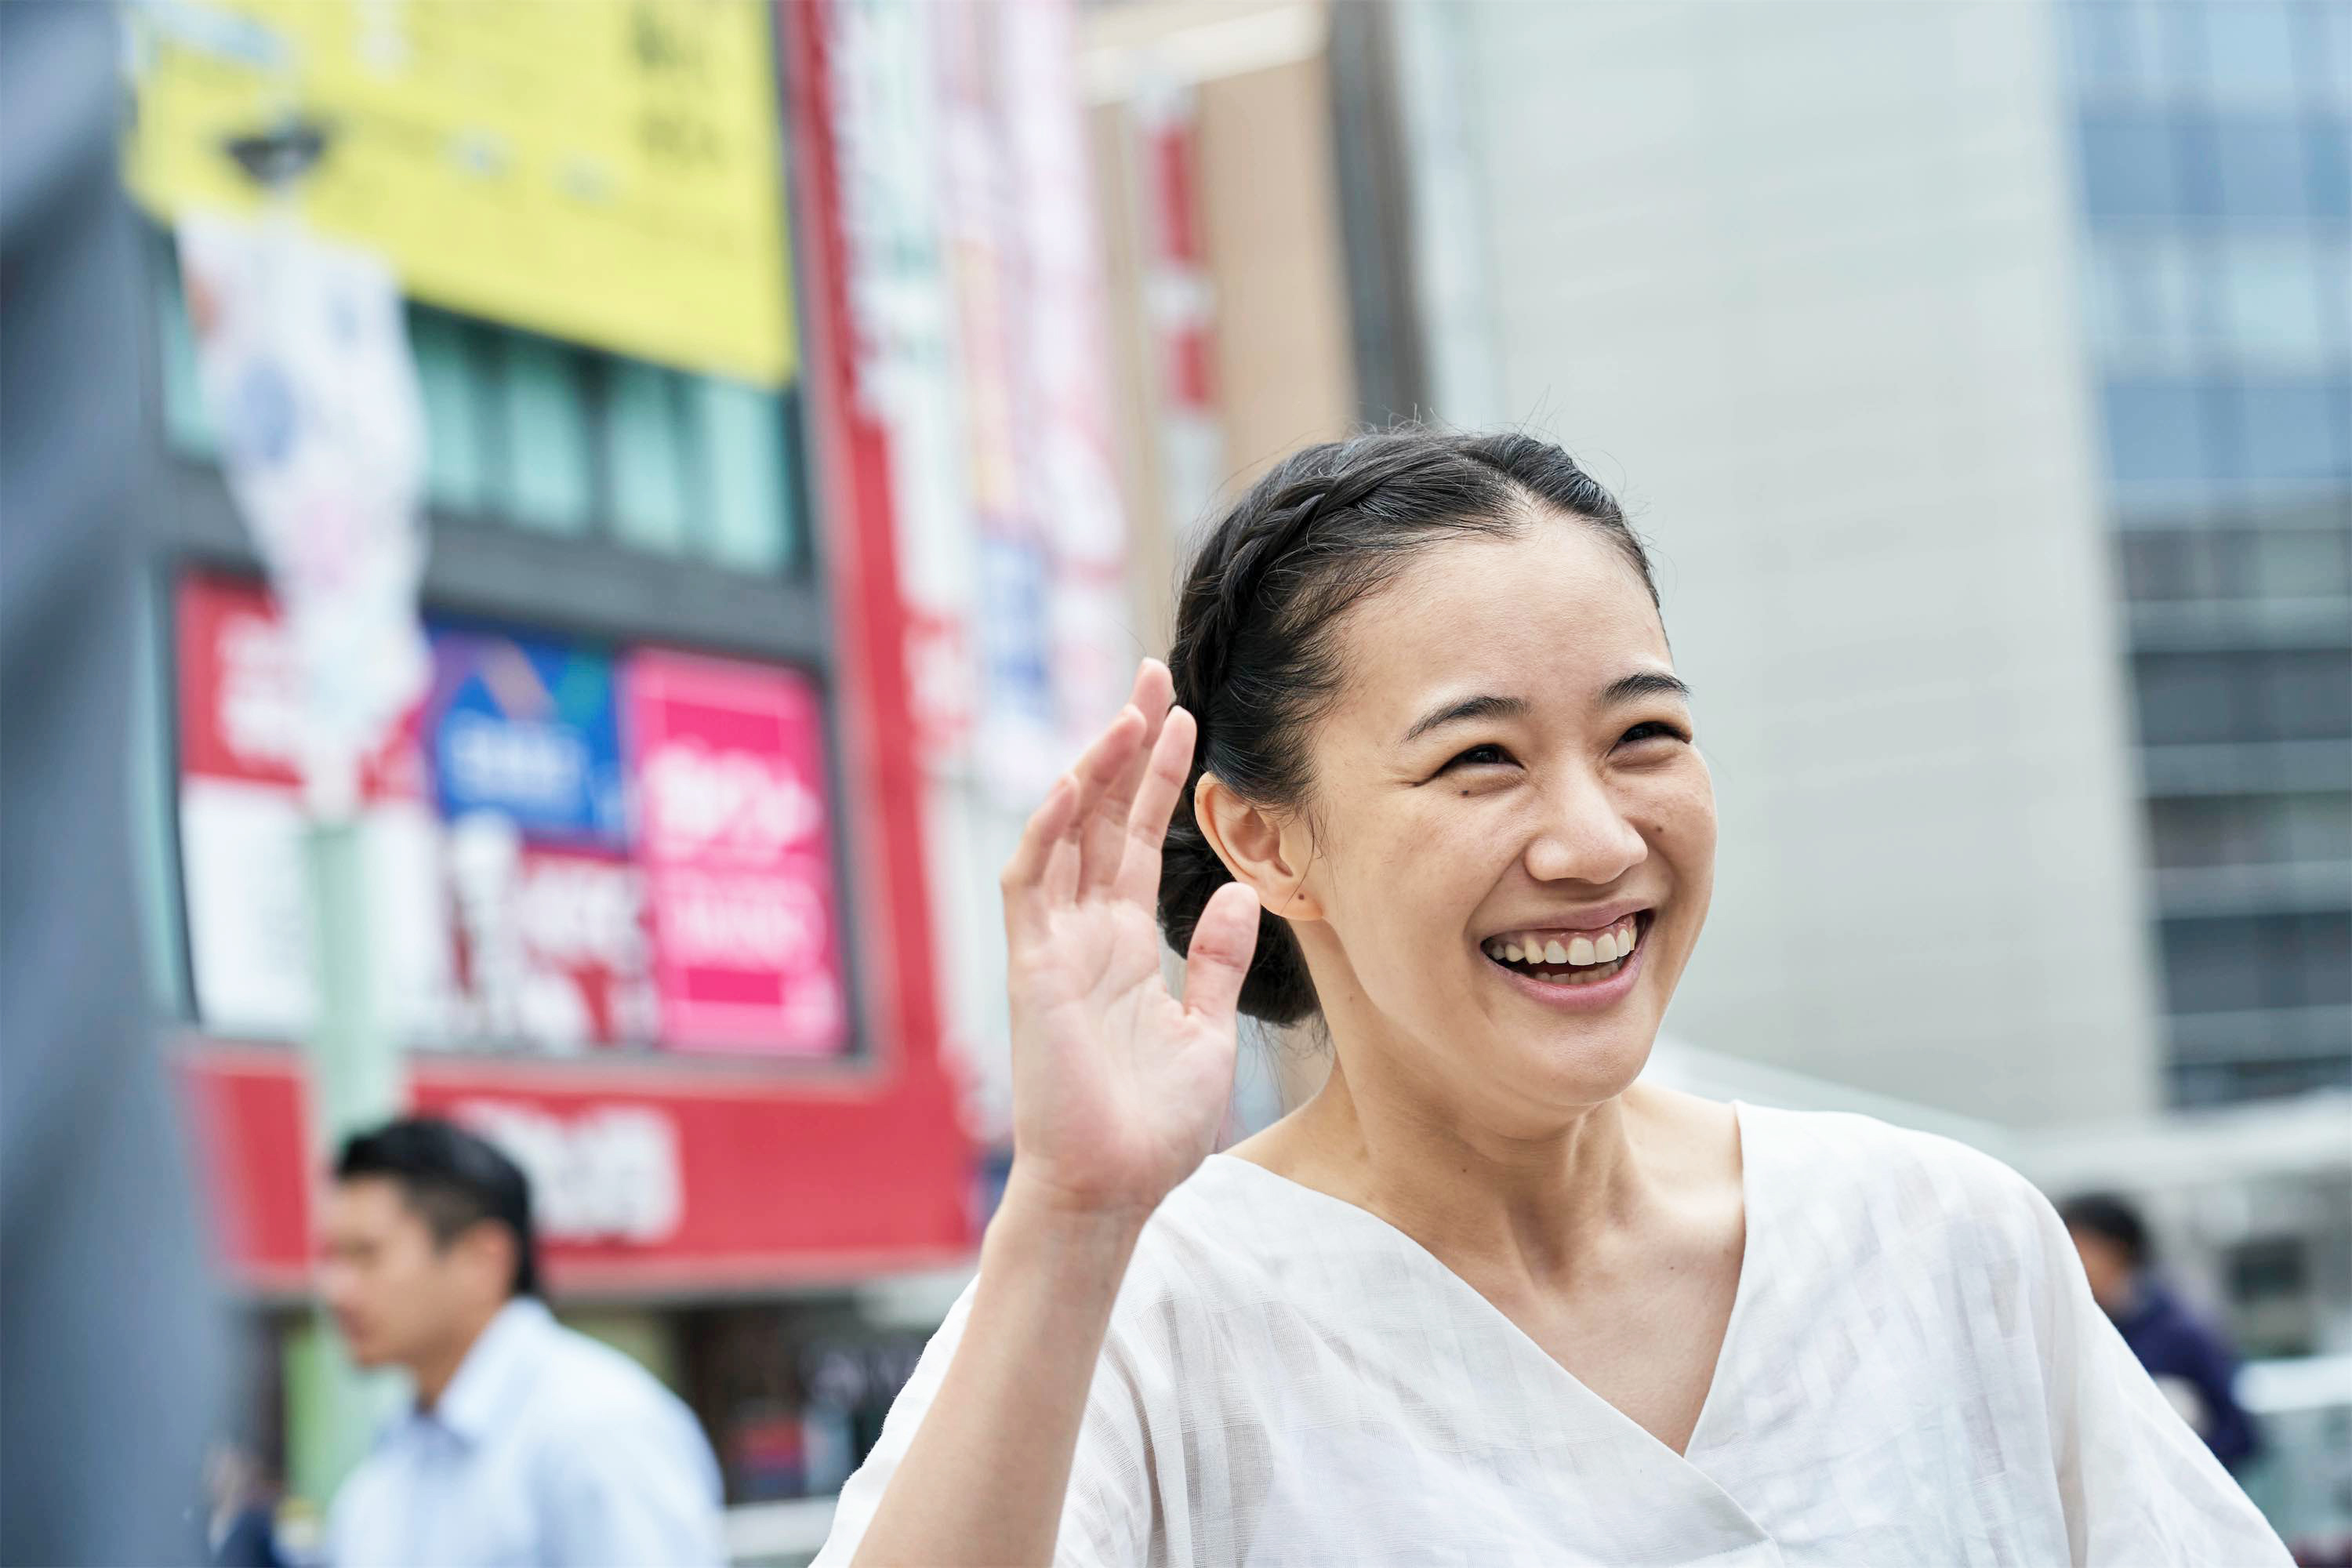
[(603, 170)]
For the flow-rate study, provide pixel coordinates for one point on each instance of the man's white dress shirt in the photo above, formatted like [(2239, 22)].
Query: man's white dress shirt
[(547, 1448)]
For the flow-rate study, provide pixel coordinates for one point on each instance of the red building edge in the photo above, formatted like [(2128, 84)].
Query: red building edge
[(680, 1178)]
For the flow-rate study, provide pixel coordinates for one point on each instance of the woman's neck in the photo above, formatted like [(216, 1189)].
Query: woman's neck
[(1474, 1196)]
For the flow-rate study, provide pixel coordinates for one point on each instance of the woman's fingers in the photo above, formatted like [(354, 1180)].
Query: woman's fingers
[(1077, 841), (1106, 827), (1026, 874), (1165, 770), (1096, 773), (1223, 942), (1046, 826), (1155, 692)]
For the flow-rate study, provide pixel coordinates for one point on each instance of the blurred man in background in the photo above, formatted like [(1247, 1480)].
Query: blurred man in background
[(2187, 1358), (108, 1353), (528, 1442)]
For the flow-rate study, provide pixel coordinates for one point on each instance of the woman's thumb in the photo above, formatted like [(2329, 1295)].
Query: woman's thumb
[(1218, 962)]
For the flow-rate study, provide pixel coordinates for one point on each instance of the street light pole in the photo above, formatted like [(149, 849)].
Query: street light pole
[(355, 1072)]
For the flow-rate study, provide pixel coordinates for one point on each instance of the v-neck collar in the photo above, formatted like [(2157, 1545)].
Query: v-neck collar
[(1744, 1114)]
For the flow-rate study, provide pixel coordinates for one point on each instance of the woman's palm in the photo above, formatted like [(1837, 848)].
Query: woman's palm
[(1119, 1086)]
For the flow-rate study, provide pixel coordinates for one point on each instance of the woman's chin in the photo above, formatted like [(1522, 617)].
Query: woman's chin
[(1570, 1066)]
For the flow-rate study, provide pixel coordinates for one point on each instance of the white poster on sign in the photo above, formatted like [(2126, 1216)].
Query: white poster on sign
[(249, 925)]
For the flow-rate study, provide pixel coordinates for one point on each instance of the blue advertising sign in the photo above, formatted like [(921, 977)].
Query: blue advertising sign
[(529, 729)]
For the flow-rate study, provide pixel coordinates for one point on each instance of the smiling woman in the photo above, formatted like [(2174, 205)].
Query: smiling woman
[(1421, 768)]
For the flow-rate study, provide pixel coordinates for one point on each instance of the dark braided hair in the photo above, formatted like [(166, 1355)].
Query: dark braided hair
[(1254, 658)]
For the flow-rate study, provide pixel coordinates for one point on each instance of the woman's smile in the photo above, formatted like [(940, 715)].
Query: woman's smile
[(1580, 969)]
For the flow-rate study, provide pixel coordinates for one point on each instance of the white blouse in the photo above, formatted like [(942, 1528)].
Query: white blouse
[(1914, 1374)]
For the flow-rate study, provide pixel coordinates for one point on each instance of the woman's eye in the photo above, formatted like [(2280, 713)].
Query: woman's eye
[(1480, 756), (1652, 730)]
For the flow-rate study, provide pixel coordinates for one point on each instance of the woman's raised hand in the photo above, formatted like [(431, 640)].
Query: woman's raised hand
[(1118, 1087)]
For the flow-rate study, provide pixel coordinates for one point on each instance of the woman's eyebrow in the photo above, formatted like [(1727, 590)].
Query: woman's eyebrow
[(1487, 707), (1644, 683)]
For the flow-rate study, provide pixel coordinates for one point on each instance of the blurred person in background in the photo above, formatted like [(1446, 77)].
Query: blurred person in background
[(243, 1531), (109, 1347), (527, 1442), (1420, 768), (2188, 1358)]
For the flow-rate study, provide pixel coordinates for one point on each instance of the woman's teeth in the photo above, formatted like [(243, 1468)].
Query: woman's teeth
[(1578, 961)]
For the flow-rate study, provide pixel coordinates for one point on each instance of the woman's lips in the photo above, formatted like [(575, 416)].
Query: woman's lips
[(1580, 995)]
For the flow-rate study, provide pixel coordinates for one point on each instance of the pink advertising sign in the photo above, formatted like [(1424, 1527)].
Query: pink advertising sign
[(729, 766)]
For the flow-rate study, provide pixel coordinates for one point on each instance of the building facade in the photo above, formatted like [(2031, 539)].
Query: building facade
[(2212, 148)]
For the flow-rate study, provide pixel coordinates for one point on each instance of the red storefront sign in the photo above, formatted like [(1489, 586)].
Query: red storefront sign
[(552, 946), (240, 702), (241, 823), (644, 1181), (729, 766)]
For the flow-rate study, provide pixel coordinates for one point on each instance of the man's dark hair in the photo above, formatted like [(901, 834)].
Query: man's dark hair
[(2114, 1219), (453, 1179)]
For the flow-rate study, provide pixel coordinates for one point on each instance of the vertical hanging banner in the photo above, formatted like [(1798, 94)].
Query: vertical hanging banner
[(904, 354), (730, 777), (1069, 484), (303, 351), (1180, 303), (1052, 614)]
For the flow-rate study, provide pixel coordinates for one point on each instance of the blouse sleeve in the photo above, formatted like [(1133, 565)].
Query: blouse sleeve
[(2137, 1484), (1107, 1512)]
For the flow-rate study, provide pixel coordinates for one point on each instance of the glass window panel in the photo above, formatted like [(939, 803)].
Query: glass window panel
[(2316, 827), (2160, 566), (2335, 264), (548, 480), (2127, 163), (2104, 42), (2300, 563), (2303, 694), (2156, 436), (2327, 142), (2141, 301), (2273, 313), (749, 524), (2261, 167), (2199, 831), (2290, 436), (457, 465), (647, 451), (2330, 28), (2250, 50), (2213, 966), (2237, 574), (2172, 48), (2185, 699), (2319, 963)]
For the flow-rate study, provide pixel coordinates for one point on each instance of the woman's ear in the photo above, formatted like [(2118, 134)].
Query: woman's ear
[(1264, 853)]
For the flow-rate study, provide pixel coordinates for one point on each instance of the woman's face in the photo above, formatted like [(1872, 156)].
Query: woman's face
[(1506, 791)]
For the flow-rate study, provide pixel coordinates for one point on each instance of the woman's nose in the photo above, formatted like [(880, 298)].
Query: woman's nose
[(1585, 837)]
